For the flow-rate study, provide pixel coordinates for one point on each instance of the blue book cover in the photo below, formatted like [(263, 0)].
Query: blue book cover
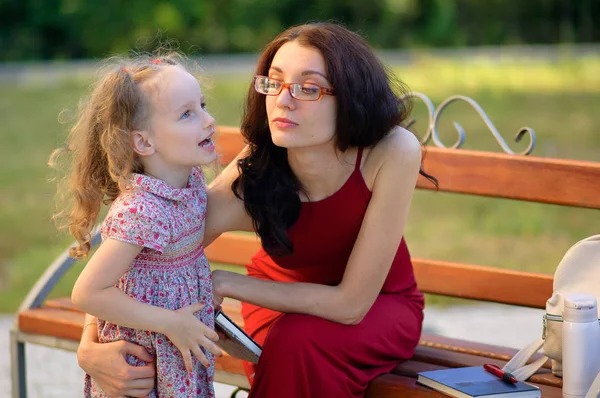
[(475, 382)]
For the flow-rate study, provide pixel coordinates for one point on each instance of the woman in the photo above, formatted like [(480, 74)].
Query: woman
[(326, 182)]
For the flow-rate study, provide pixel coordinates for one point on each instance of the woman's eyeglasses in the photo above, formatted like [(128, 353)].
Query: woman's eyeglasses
[(302, 92)]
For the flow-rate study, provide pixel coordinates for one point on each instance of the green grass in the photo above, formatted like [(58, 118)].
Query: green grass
[(559, 101)]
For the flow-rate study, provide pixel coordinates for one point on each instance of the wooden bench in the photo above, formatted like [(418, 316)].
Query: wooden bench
[(57, 323)]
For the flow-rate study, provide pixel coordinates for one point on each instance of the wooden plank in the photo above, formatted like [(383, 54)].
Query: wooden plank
[(62, 303), (530, 178), (467, 281), (394, 386), (498, 285), (232, 379), (233, 309), (50, 316), (412, 367), (229, 143), (233, 248), (229, 364), (473, 348), (63, 324), (48, 341), (434, 352)]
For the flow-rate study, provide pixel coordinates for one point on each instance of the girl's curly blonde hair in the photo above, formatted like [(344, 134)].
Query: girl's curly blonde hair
[(102, 158)]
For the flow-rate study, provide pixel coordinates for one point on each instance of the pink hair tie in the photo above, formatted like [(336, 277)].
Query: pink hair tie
[(125, 70), (155, 61)]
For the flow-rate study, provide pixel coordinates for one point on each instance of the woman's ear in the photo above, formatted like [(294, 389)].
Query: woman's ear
[(141, 143)]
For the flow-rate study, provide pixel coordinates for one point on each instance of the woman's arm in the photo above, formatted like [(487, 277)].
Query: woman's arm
[(107, 364), (224, 211), (94, 292), (371, 258)]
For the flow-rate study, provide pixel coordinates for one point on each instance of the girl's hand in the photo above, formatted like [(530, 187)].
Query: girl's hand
[(187, 333)]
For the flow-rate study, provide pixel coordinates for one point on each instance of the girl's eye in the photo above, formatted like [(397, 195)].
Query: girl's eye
[(203, 105), (186, 114)]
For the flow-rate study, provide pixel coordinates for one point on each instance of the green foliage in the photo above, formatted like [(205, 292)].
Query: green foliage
[(55, 29)]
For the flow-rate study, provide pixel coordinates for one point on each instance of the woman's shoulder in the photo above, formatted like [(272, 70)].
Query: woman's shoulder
[(399, 142), (399, 149)]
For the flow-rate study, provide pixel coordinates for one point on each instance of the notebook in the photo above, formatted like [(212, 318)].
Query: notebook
[(475, 382)]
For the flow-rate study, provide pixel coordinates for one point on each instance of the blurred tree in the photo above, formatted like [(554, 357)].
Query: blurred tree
[(34, 29)]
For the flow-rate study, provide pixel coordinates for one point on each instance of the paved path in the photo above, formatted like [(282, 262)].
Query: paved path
[(54, 373)]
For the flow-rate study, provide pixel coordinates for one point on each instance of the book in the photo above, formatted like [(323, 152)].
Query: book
[(474, 381), (237, 344)]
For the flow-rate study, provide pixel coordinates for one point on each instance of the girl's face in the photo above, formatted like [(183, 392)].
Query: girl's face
[(295, 123), (180, 127)]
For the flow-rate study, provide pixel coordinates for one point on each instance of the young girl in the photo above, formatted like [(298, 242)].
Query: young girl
[(138, 144)]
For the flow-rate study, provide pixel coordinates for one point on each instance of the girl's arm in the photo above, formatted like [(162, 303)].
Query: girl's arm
[(371, 258), (95, 293)]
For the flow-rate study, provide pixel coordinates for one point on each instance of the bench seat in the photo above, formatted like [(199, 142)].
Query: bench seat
[(59, 319)]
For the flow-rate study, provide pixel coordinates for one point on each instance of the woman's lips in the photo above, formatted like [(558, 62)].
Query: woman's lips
[(284, 123)]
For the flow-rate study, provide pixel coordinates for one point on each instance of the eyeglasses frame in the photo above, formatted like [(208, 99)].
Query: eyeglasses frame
[(322, 90)]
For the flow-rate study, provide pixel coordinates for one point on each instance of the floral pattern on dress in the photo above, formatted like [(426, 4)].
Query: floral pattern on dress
[(170, 272)]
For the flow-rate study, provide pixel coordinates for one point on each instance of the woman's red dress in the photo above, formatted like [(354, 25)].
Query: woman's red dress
[(307, 356)]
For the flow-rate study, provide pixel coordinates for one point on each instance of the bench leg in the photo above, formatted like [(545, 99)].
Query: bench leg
[(17, 368)]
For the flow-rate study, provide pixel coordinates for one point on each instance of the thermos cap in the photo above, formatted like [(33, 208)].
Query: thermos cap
[(580, 307)]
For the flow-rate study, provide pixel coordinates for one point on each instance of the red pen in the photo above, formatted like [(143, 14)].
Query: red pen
[(496, 371)]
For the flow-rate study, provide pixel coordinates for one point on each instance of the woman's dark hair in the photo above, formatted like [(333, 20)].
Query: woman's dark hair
[(368, 107)]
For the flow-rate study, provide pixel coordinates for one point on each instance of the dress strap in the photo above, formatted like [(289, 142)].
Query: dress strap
[(358, 159)]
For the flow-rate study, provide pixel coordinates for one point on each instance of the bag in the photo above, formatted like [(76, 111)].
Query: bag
[(578, 272)]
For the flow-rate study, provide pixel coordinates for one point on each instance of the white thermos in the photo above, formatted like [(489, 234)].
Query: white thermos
[(580, 344)]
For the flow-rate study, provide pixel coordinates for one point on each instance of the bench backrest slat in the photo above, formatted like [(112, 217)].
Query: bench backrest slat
[(530, 178), (467, 281), (483, 283), (229, 142), (233, 248)]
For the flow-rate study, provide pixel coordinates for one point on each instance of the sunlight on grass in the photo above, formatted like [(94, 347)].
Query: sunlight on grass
[(436, 78)]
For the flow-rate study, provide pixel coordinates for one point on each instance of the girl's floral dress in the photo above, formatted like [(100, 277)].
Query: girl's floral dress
[(171, 272)]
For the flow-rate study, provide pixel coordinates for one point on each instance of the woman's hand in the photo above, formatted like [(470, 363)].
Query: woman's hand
[(187, 333), (106, 364), (218, 279)]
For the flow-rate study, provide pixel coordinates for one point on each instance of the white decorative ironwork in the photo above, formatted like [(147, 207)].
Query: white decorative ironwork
[(434, 117)]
